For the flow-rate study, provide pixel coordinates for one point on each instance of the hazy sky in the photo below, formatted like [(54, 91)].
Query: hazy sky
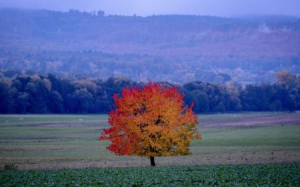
[(149, 7)]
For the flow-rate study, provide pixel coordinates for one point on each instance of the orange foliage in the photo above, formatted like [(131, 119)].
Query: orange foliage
[(151, 121)]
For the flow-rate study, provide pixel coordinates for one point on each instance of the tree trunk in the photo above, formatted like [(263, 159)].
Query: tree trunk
[(152, 162)]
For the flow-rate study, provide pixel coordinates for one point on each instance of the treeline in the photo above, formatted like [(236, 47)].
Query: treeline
[(22, 93)]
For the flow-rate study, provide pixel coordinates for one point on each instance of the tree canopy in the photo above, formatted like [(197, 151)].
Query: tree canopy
[(151, 121), (25, 92)]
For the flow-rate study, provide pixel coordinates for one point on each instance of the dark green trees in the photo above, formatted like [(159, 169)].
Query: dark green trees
[(21, 93)]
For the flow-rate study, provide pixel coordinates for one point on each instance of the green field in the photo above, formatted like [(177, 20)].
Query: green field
[(225, 175), (71, 141), (246, 149)]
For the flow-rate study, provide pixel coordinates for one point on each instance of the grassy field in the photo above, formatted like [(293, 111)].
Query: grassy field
[(223, 175), (71, 141)]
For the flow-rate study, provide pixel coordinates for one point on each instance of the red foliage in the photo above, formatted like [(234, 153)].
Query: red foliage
[(151, 121)]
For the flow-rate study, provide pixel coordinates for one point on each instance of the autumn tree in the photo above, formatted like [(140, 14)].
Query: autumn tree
[(286, 78), (151, 121)]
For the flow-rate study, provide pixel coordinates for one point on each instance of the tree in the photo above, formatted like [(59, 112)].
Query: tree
[(201, 101), (22, 102), (55, 103), (38, 91), (100, 13), (81, 101), (286, 79), (6, 100), (151, 121)]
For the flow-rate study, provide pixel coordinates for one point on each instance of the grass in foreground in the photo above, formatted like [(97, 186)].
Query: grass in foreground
[(222, 175), (71, 141)]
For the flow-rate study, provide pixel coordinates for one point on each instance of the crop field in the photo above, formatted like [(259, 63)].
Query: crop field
[(71, 141), (224, 175), (236, 149)]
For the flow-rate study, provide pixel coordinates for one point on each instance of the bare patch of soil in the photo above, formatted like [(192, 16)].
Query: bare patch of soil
[(284, 156), (45, 147), (264, 120), (68, 124)]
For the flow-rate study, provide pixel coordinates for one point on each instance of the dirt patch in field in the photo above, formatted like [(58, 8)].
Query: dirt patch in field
[(44, 147), (276, 156), (68, 124), (264, 120), (244, 121)]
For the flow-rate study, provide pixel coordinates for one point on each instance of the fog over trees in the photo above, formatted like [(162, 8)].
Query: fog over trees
[(173, 48)]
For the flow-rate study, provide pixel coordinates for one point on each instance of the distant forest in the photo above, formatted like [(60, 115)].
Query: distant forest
[(26, 93), (173, 48), (61, 62)]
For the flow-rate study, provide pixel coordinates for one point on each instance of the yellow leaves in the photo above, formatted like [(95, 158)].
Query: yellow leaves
[(153, 122)]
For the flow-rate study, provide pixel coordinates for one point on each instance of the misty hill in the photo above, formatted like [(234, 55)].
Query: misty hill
[(172, 48)]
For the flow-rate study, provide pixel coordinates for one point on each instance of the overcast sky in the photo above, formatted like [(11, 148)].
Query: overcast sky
[(226, 8)]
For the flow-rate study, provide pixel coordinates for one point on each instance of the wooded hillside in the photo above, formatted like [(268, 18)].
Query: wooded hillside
[(173, 48)]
